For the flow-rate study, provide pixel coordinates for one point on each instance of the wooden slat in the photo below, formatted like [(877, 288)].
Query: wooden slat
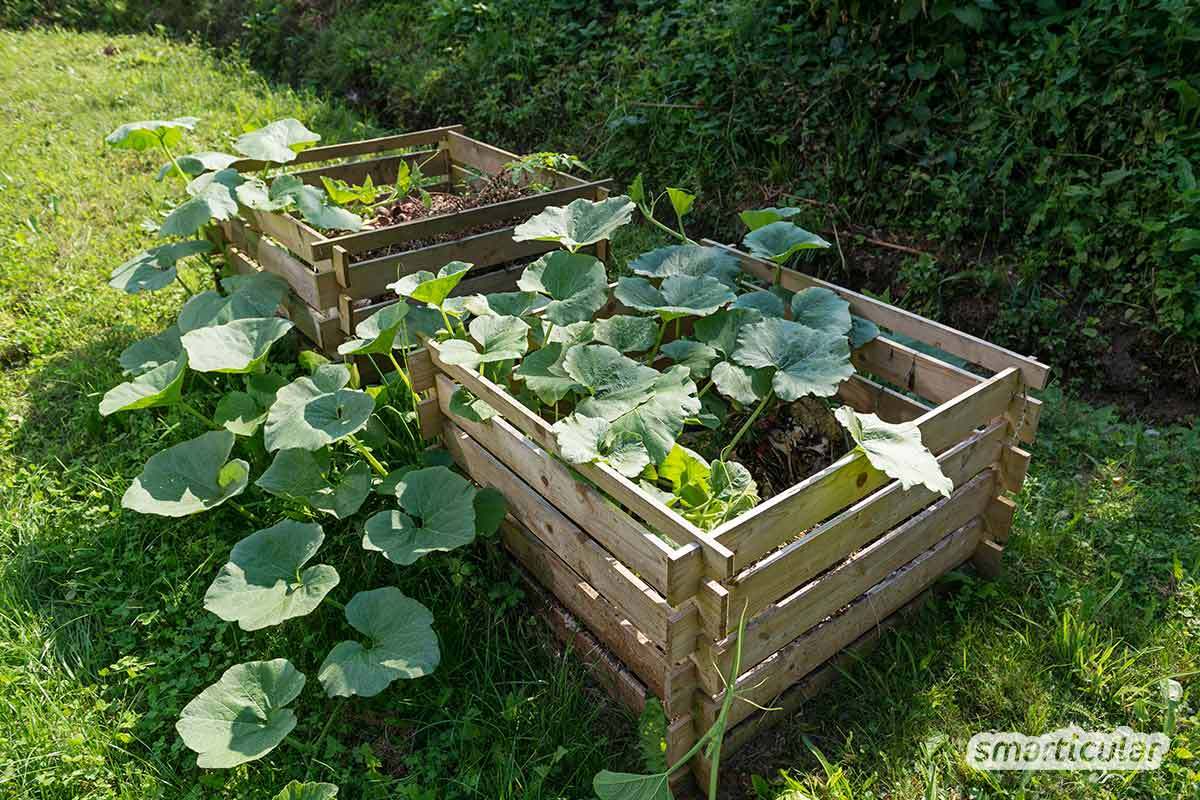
[(999, 518), (490, 159), (321, 327), (804, 654), (315, 285), (628, 593), (935, 380), (988, 559), (786, 515), (830, 542), (973, 349), (822, 597), (371, 278), (718, 559), (793, 699), (285, 229), (868, 397), (428, 227), (382, 171), (607, 624), (429, 418), (361, 147), (622, 535)]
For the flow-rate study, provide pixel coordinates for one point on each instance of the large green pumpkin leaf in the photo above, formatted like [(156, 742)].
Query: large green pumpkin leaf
[(688, 259), (544, 374), (625, 333), (160, 386), (633, 397), (311, 412), (377, 333), (862, 331), (436, 514), (241, 717), (153, 351), (505, 304), (265, 583), (586, 440), (212, 198), (576, 284), (425, 287), (679, 296), (696, 356), (239, 413), (743, 384), (278, 141), (721, 330), (764, 302), (821, 309), (194, 164), (627, 786), (402, 645), (307, 791), (806, 361), (499, 339), (468, 406), (187, 218), (779, 241), (189, 477), (300, 475), (896, 450), (235, 347), (257, 295), (577, 224), (153, 269), (490, 508), (758, 217), (151, 133)]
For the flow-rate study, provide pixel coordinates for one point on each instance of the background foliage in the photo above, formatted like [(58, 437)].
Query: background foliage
[(1042, 154)]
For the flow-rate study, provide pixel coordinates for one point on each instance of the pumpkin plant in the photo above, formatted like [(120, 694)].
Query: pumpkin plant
[(332, 450)]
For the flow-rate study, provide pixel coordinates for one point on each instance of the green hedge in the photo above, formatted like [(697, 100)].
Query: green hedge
[(1046, 151)]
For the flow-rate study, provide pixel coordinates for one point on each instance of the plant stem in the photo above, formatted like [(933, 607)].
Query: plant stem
[(745, 426), (707, 386), (324, 730), (178, 169), (244, 512), (648, 214), (379, 468), (189, 408), (662, 330), (186, 288), (546, 333)]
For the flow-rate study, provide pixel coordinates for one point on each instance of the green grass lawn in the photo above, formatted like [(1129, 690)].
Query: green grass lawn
[(103, 638)]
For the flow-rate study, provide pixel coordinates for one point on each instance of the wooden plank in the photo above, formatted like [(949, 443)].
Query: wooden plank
[(490, 159), (964, 345), (868, 397), (382, 171), (361, 147), (420, 370), (999, 518), (827, 544), (913, 371), (822, 597), (319, 326), (636, 651), (793, 699), (429, 418), (1014, 464), (718, 559), (428, 227), (628, 593), (286, 230), (371, 278), (622, 535), (621, 684), (849, 479), (988, 559), (804, 654), (316, 286)]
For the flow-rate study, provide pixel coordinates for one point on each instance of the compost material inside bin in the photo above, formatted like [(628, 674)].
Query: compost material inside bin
[(781, 448), (494, 190)]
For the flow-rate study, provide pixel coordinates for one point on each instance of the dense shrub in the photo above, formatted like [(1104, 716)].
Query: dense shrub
[(1045, 153)]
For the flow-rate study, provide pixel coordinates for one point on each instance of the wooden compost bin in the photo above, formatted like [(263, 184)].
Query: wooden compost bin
[(335, 280), (821, 568)]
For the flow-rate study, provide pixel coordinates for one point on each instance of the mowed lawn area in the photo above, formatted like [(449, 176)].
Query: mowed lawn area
[(103, 637)]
